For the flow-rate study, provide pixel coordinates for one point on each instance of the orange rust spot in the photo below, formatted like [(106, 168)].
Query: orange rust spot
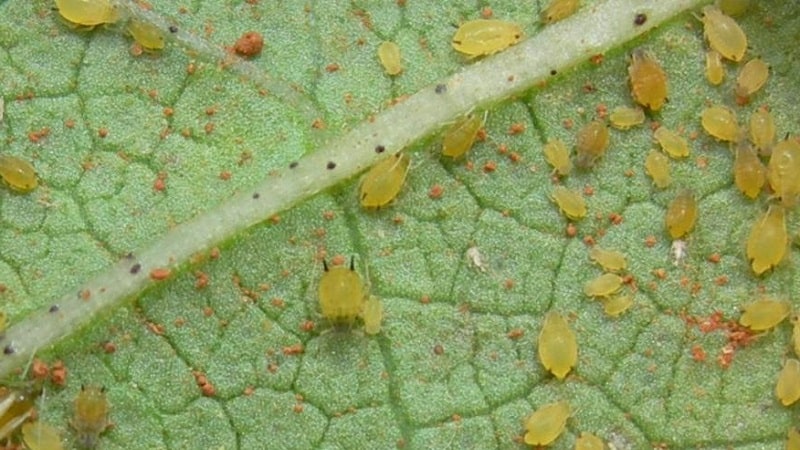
[(721, 280), (168, 112), (278, 302), (567, 124), (160, 273), (490, 167), (714, 258), (571, 231), (318, 124), (69, 123), (436, 191), (156, 328), (332, 67), (86, 295), (36, 136), (615, 218), (516, 128), (588, 190), (294, 349), (214, 253), (597, 59), (209, 127), (515, 333), (650, 241)]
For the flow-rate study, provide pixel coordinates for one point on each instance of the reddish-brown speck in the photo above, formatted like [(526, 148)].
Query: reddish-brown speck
[(589, 240), (515, 333), (225, 175), (660, 273), (332, 67), (516, 128), (200, 280), (338, 260), (209, 127), (490, 167), (294, 349), (214, 253), (714, 258), (650, 241), (318, 124), (58, 373), (102, 132), (721, 280), (86, 295), (208, 311), (36, 136), (328, 215), (307, 325), (109, 347), (571, 231), (487, 12), (249, 44), (597, 59), (160, 273), (436, 191), (698, 354), (425, 300), (567, 124), (438, 349), (278, 302), (39, 369)]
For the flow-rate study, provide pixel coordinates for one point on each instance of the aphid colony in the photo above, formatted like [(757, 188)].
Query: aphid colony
[(91, 13)]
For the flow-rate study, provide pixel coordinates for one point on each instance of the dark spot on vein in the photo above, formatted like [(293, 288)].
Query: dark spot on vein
[(54, 308), (173, 29), (331, 165), (640, 19), (379, 149), (293, 164), (8, 350), (136, 268), (256, 195), (129, 255), (553, 72), (441, 88)]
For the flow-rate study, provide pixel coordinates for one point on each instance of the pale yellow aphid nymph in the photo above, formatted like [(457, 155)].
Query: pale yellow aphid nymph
[(764, 314), (762, 130), (611, 260), (681, 214), (18, 174), (558, 346), (41, 436), (625, 117), (559, 10), (589, 441), (547, 423), (603, 285), (557, 155), (783, 171), (458, 139), (734, 7), (787, 389), (87, 13), (147, 35), (793, 439), (16, 407), (796, 334), (389, 56), (342, 294), (752, 77), (485, 37), (571, 203), (372, 315), (724, 34), (90, 417), (720, 122), (749, 173), (715, 71), (648, 80), (673, 144), (592, 143), (657, 165), (617, 304), (384, 181), (768, 239)]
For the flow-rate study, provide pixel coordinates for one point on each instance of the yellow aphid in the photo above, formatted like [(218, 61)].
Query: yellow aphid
[(603, 286), (720, 122), (17, 173), (657, 166), (389, 56), (384, 181), (91, 415), (715, 71), (752, 77), (372, 315), (558, 346), (734, 7), (762, 130), (458, 139), (570, 202), (788, 387), (724, 34), (559, 10), (681, 214), (146, 34), (547, 423), (796, 334), (485, 37), (625, 117), (16, 406), (672, 143), (341, 294), (616, 304), (592, 143), (3, 322), (87, 12), (41, 436), (749, 173), (793, 439), (611, 260), (766, 245), (764, 314), (648, 80), (557, 155), (589, 441), (783, 171)]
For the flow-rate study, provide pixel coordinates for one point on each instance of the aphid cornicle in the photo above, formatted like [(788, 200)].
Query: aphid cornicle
[(588, 441), (341, 294), (611, 260), (764, 314), (787, 389), (648, 80), (657, 165), (625, 117), (18, 174), (724, 34), (762, 130), (603, 285), (485, 37), (458, 139), (41, 436), (146, 34), (720, 122), (749, 173), (87, 13), (557, 155), (768, 239), (384, 181), (559, 10), (715, 71), (389, 56), (558, 346), (783, 171), (16, 406), (90, 417), (570, 203), (592, 143), (547, 423), (681, 214), (673, 144)]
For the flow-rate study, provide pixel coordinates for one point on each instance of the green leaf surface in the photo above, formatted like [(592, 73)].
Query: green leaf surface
[(137, 145)]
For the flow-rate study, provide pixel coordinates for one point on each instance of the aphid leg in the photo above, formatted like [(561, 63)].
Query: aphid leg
[(324, 265)]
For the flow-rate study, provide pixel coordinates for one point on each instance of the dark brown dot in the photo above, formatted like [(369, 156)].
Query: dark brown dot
[(640, 19), (441, 88), (553, 72), (256, 195), (331, 165), (173, 29), (136, 268), (379, 149), (293, 164), (8, 350), (129, 255), (54, 308), (438, 349)]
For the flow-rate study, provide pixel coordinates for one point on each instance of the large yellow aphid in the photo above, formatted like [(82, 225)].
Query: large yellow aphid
[(764, 314), (547, 423), (90, 417), (558, 346), (617, 304), (783, 171), (589, 441), (17, 173), (384, 181), (787, 389), (41, 436), (724, 34), (571, 203), (389, 56), (611, 260), (485, 37), (87, 13), (749, 173), (762, 130), (342, 294), (681, 214), (592, 143), (793, 439), (557, 155), (766, 245), (16, 406), (648, 80), (559, 10), (715, 71), (672, 143), (458, 139), (752, 77), (625, 117), (720, 122), (372, 315), (603, 285), (146, 34), (657, 165)]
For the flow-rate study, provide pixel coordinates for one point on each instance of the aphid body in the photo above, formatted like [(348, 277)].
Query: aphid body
[(341, 294), (615, 305), (557, 155), (793, 439), (681, 214), (87, 12), (625, 117), (734, 7), (372, 315), (715, 71), (146, 34), (648, 80), (589, 441), (611, 260), (724, 34), (41, 436), (90, 416), (389, 56), (559, 10), (762, 130), (547, 423), (570, 203), (720, 122), (783, 171), (17, 173), (384, 181), (16, 406), (603, 285), (768, 239), (485, 37), (558, 346), (764, 314), (458, 139), (657, 165), (672, 143), (751, 78), (749, 173), (788, 387), (592, 143), (796, 334)]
